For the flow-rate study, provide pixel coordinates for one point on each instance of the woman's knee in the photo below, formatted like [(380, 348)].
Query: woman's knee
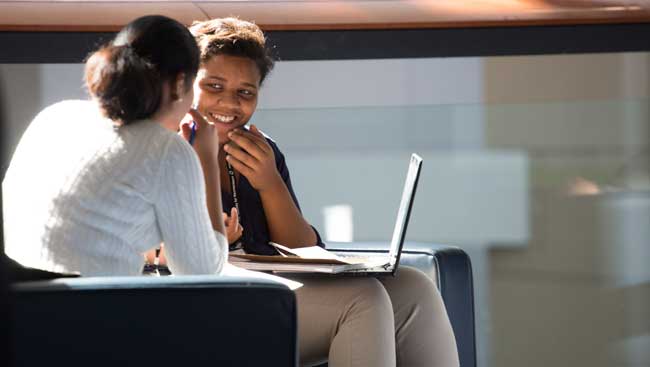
[(371, 292), (414, 282)]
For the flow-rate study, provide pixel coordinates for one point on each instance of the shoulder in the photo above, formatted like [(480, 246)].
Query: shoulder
[(176, 146), (72, 110), (178, 166), (69, 105), (179, 154), (67, 112), (51, 128), (157, 141), (73, 105)]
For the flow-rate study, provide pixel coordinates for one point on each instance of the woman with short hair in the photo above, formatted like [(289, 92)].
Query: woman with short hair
[(345, 321)]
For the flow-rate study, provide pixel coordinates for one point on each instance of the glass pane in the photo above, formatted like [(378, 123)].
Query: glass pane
[(537, 166)]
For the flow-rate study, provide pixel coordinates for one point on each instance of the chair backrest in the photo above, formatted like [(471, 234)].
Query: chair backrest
[(140, 321)]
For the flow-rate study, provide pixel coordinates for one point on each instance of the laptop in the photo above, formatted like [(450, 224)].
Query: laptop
[(318, 260)]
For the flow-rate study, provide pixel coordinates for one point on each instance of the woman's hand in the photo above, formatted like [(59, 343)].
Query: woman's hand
[(234, 230), (150, 256), (206, 138), (252, 156)]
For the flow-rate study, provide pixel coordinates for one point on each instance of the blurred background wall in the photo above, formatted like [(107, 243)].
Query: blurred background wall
[(536, 165)]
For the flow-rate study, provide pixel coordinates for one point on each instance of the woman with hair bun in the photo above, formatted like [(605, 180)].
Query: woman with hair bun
[(95, 184)]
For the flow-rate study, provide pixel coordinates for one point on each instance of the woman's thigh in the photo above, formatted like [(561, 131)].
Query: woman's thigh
[(348, 320)]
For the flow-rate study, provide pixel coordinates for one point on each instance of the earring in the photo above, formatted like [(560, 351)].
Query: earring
[(175, 97), (179, 91)]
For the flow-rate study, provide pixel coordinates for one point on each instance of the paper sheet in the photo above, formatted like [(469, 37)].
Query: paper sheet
[(232, 270)]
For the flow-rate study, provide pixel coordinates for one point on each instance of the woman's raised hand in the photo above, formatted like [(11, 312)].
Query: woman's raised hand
[(206, 138), (252, 156)]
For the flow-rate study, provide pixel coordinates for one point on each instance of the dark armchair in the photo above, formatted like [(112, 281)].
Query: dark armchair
[(196, 320)]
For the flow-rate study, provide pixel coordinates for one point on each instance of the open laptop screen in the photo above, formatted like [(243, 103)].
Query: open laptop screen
[(404, 211)]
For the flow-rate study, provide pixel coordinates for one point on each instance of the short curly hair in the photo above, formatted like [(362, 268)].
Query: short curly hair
[(233, 37)]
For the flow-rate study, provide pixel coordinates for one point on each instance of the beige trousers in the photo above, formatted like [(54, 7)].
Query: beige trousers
[(374, 322)]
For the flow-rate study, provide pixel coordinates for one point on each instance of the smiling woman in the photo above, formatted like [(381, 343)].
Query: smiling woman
[(254, 178), (344, 321)]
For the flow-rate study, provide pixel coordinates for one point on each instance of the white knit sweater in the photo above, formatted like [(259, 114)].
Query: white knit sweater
[(83, 196)]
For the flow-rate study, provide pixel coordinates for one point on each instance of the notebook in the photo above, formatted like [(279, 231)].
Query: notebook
[(315, 259)]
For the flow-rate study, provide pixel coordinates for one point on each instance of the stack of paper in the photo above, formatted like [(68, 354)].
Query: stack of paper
[(305, 259)]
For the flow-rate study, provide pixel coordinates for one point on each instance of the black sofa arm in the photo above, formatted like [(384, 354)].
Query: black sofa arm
[(158, 321), (451, 269)]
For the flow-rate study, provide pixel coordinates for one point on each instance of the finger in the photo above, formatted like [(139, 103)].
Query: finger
[(231, 221), (162, 258), (242, 155), (225, 219), (240, 231), (256, 131), (239, 166), (255, 149), (243, 134), (198, 118), (256, 136), (259, 136), (186, 131), (234, 214), (187, 119)]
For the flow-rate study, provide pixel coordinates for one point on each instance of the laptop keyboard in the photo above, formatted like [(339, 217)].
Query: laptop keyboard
[(357, 257)]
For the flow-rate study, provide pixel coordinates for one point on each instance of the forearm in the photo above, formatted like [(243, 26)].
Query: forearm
[(286, 224), (213, 193)]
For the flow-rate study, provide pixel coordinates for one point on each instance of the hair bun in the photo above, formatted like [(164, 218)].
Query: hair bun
[(128, 75), (124, 83)]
